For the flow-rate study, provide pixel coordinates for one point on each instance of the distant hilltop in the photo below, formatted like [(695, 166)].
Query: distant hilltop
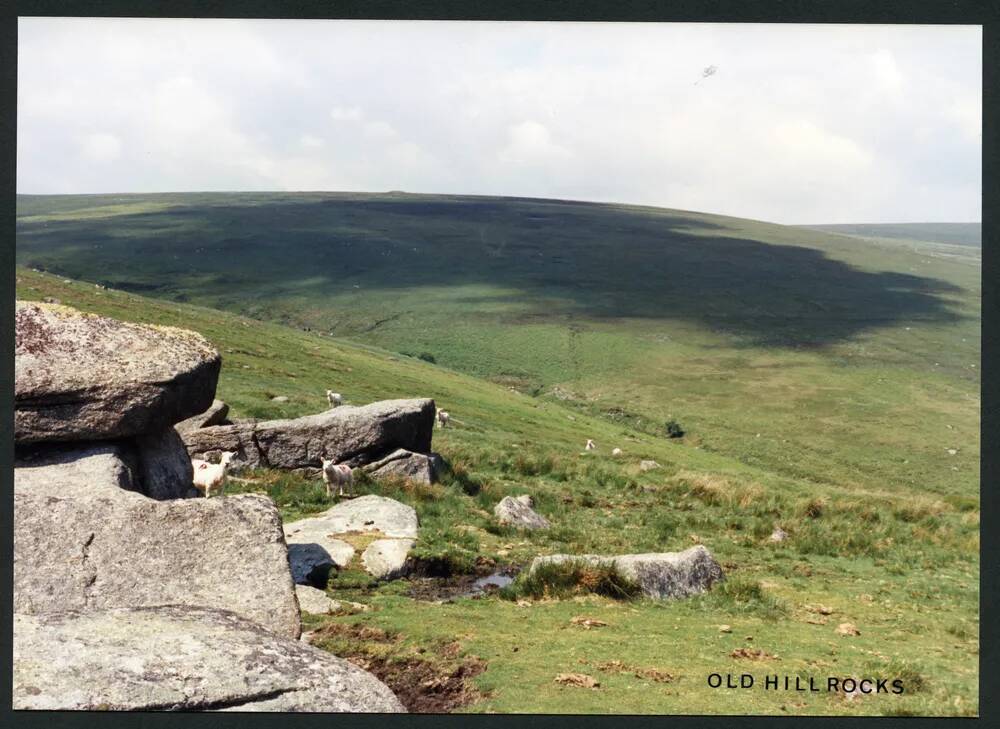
[(959, 234)]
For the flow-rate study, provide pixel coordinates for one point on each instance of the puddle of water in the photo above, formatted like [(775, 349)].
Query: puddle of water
[(497, 580)]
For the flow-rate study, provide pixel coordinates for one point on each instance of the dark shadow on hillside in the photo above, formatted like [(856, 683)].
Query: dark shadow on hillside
[(563, 259)]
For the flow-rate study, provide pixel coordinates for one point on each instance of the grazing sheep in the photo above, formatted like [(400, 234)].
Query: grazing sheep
[(443, 417), (209, 475), (590, 445), (334, 398), (616, 452), (339, 474)]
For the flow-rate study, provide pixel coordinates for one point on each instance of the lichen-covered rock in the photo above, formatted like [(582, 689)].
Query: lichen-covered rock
[(386, 559), (180, 658), (118, 548), (648, 466), (351, 435), (84, 377), (368, 513), (164, 466), (215, 415), (416, 467), (519, 512), (660, 575)]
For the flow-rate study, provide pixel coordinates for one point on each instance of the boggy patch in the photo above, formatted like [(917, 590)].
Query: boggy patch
[(423, 686)]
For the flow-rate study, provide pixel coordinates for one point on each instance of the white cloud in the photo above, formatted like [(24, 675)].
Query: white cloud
[(101, 148), (799, 124)]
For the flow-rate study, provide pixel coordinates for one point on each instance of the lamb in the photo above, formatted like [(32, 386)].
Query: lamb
[(339, 474), (209, 475), (443, 417), (590, 445), (334, 398)]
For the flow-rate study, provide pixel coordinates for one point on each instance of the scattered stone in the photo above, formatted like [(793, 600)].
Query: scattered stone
[(347, 434), (821, 609), (848, 629), (215, 415), (588, 623), (778, 535), (164, 466), (952, 452), (314, 601), (519, 512), (402, 463), (662, 575), (117, 548), (648, 465), (385, 559), (279, 398), (85, 377), (181, 658), (725, 629), (754, 654), (578, 679)]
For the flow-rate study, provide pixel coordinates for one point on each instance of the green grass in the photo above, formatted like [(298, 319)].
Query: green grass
[(820, 381)]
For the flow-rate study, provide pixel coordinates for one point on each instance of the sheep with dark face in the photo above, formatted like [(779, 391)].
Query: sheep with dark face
[(591, 446), (334, 398), (339, 475), (443, 417)]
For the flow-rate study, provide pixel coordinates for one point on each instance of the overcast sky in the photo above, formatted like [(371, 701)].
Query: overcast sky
[(800, 123)]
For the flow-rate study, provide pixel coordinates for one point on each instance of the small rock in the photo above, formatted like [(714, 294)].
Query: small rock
[(848, 629), (952, 451), (279, 398), (313, 601), (577, 679), (588, 623), (385, 559), (725, 629), (648, 465), (778, 535), (518, 512)]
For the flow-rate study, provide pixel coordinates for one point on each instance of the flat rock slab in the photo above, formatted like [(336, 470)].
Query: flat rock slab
[(661, 575), (416, 467), (313, 542), (180, 658), (85, 377), (75, 470), (385, 559), (122, 549), (519, 512), (351, 435)]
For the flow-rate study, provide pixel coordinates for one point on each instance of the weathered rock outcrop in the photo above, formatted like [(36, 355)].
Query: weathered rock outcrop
[(75, 470), (401, 463), (117, 548), (312, 600), (351, 435), (84, 377), (215, 415), (315, 545), (180, 658), (660, 575), (519, 512)]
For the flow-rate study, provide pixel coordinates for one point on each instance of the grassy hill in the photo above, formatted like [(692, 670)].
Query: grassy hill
[(959, 234), (854, 369)]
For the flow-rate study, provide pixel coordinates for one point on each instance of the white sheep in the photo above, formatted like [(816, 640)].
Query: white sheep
[(443, 417), (209, 475), (334, 398), (616, 452), (590, 445), (339, 474)]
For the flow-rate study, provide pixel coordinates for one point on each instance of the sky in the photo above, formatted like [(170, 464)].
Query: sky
[(799, 123)]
